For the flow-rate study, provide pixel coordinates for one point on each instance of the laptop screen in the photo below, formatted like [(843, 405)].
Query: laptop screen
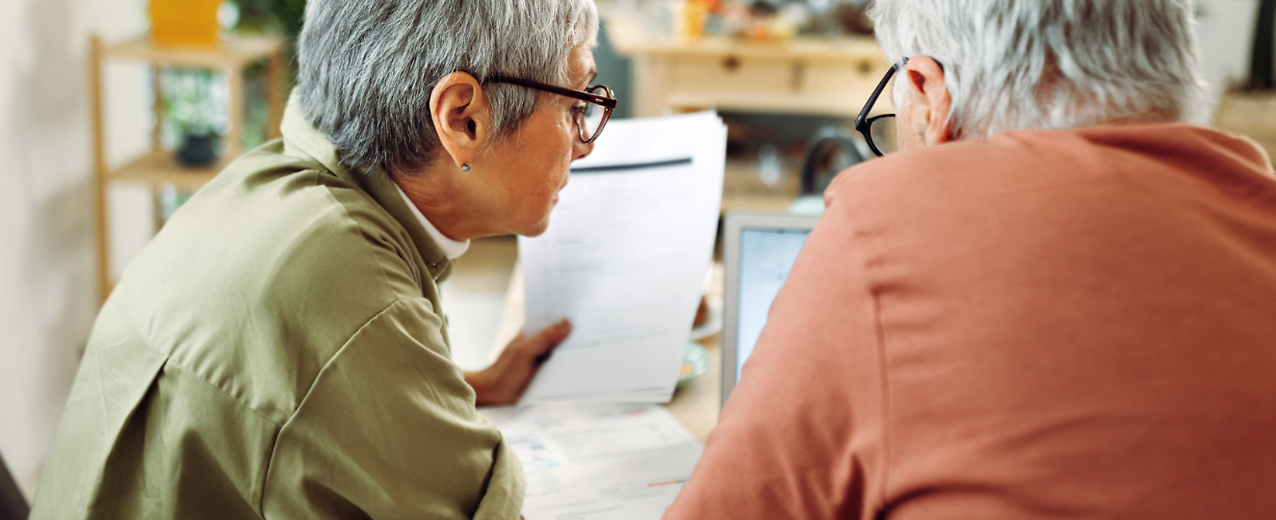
[(766, 256)]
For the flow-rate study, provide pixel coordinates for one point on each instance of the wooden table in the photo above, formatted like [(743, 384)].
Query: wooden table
[(695, 403)]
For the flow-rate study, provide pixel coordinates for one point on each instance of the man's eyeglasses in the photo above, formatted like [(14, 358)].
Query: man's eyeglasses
[(591, 114), (879, 131)]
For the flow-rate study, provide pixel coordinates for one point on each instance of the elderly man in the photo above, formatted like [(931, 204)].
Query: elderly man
[(1058, 300), (280, 349)]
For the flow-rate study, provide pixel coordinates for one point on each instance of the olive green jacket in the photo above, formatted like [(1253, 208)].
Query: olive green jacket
[(278, 351)]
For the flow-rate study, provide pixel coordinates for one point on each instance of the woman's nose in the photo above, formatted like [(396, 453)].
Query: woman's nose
[(580, 150)]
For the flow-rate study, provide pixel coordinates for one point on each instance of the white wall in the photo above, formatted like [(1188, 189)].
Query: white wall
[(47, 275), (1226, 35)]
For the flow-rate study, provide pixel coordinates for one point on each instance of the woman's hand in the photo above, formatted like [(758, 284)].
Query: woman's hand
[(504, 382)]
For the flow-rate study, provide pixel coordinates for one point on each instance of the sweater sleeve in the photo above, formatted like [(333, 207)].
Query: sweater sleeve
[(802, 435), (389, 430)]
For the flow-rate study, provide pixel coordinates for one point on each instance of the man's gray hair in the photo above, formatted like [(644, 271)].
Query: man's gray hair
[(368, 67), (1052, 64)]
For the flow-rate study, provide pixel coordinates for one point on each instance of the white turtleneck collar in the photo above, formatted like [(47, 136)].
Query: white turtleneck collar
[(452, 248)]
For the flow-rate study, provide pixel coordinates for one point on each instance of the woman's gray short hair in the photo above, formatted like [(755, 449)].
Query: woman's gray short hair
[(1042, 64), (367, 67)]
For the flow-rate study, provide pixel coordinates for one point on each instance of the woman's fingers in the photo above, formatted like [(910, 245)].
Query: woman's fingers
[(505, 381), (542, 343)]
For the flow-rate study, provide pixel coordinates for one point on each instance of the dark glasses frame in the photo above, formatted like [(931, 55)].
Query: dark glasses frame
[(863, 123), (608, 102)]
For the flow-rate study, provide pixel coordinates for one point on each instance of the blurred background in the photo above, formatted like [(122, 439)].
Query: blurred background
[(112, 112)]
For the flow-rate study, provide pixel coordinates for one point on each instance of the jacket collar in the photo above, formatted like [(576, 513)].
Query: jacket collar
[(304, 141)]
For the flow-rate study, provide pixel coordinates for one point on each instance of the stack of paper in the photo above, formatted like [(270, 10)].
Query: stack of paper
[(613, 462), (624, 258)]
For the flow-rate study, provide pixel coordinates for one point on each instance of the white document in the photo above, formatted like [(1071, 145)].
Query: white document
[(613, 462), (624, 258)]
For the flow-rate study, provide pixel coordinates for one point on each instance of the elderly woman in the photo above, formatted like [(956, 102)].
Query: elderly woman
[(280, 350), (1055, 301)]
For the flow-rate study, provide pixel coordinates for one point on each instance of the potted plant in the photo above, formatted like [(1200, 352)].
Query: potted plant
[(194, 116), (192, 121), (282, 17)]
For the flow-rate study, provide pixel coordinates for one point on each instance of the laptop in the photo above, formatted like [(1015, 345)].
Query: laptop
[(760, 249)]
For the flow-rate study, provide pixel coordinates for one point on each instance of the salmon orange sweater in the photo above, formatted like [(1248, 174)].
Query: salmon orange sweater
[(1042, 325)]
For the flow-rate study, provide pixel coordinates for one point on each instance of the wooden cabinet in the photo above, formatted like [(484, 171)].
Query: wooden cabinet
[(803, 76), (158, 166)]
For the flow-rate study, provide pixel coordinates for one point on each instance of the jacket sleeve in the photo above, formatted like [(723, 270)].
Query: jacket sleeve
[(802, 434), (389, 430)]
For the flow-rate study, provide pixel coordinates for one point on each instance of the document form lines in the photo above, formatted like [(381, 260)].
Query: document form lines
[(624, 259), (598, 462)]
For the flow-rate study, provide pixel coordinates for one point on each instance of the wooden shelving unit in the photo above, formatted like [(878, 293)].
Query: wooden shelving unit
[(158, 166)]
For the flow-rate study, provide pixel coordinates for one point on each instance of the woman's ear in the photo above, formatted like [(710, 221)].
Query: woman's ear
[(929, 91), (459, 111)]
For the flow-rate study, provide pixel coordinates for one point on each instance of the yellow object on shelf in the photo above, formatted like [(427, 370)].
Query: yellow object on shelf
[(184, 23), (691, 19)]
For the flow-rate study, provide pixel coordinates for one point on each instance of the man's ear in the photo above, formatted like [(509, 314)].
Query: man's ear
[(929, 93), (459, 111)]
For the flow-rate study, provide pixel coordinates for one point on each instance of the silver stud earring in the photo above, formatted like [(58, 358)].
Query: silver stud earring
[(465, 167)]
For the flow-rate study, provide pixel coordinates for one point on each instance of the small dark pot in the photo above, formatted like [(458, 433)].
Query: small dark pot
[(198, 151)]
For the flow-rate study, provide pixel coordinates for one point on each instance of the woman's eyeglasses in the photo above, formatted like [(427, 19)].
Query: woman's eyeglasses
[(879, 131), (590, 115)]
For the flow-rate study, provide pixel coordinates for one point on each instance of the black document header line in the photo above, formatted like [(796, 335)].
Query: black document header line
[(631, 167)]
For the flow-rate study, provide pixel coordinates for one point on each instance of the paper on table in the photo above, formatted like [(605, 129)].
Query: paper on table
[(624, 258), (621, 462)]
